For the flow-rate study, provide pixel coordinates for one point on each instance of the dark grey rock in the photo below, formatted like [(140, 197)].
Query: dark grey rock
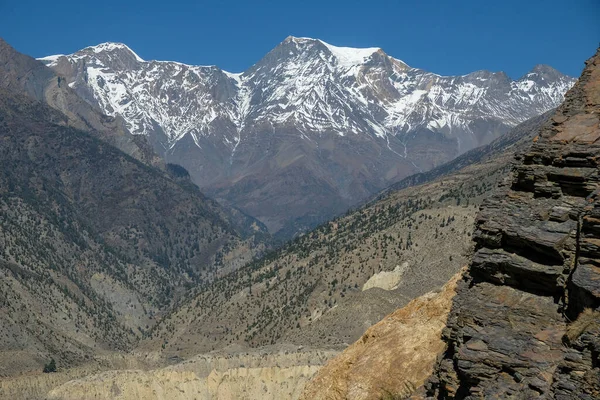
[(521, 325)]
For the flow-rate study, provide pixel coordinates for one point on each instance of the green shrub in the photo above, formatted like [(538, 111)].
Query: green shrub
[(50, 367)]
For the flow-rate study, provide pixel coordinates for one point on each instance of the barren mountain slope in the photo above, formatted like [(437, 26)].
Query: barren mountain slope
[(267, 375), (312, 291), (393, 357), (94, 245), (284, 372)]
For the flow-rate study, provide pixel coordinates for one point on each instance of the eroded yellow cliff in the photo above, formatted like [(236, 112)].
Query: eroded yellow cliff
[(255, 375), (393, 357)]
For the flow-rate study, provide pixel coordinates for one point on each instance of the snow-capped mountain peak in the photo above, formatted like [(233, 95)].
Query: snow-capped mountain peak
[(316, 86), (342, 56), (102, 51), (346, 56), (113, 47), (543, 75), (349, 56), (363, 117)]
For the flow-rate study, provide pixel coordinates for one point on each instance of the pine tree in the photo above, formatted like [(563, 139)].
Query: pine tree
[(50, 367)]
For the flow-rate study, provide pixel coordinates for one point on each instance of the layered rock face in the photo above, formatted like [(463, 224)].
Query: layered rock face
[(522, 324)]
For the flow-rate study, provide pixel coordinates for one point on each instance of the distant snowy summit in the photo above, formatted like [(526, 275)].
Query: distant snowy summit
[(356, 119), (321, 87)]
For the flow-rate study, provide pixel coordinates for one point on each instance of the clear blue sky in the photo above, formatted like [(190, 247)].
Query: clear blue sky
[(443, 36)]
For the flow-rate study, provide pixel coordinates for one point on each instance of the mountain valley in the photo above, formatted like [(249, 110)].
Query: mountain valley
[(328, 224), (326, 287)]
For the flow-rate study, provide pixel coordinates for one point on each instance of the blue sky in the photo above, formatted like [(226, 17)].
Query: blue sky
[(443, 36)]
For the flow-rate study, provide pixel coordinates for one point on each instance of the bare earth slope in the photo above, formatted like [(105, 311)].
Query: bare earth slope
[(275, 372), (368, 369), (393, 357), (274, 375)]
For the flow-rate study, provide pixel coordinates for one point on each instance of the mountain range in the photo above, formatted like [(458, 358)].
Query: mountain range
[(311, 129), (113, 261)]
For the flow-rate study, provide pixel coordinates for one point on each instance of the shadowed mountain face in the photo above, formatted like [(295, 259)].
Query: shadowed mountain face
[(94, 245), (21, 74), (25, 75), (311, 129)]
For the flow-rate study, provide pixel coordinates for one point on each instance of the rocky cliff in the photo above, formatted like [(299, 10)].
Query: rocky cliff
[(523, 323)]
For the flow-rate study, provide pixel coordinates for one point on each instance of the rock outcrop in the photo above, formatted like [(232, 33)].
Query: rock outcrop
[(393, 357), (522, 323)]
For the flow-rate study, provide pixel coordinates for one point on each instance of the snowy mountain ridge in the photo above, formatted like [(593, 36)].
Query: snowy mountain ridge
[(318, 86), (311, 128)]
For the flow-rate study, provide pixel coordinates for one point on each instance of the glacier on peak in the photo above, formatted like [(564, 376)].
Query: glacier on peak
[(349, 55), (346, 56)]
